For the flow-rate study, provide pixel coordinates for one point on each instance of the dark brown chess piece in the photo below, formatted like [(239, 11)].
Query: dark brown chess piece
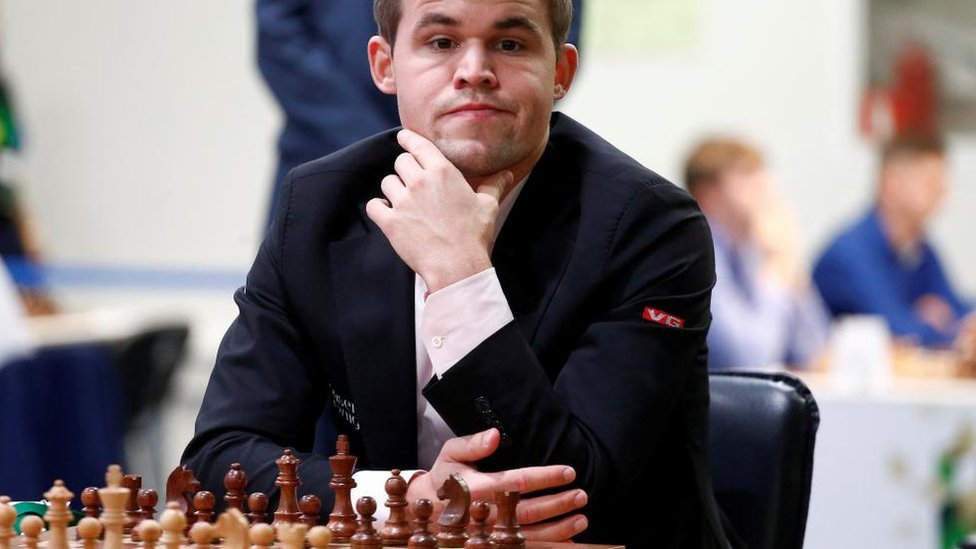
[(288, 483), (92, 505), (422, 538), (147, 500), (203, 502), (257, 507), (342, 519), (366, 536), (478, 530), (181, 486), (311, 507), (132, 512), (235, 481), (454, 518), (396, 530), (506, 534)]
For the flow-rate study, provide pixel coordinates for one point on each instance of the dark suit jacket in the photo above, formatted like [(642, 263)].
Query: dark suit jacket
[(597, 257)]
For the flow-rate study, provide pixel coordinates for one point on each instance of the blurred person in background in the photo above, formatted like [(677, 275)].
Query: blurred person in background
[(765, 312), (15, 339), (884, 265), (312, 56)]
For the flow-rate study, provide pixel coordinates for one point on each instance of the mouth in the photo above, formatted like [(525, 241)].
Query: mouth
[(475, 110)]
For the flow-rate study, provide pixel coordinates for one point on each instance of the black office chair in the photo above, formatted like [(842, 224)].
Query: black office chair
[(762, 431)]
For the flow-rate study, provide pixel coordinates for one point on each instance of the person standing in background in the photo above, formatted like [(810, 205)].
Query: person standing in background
[(311, 54), (764, 309)]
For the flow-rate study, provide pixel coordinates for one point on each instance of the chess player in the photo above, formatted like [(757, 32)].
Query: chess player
[(884, 264), (492, 289)]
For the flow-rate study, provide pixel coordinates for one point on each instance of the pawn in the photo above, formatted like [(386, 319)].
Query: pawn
[(202, 533), (8, 515), (88, 530), (91, 502), (203, 502), (311, 506), (262, 535), (319, 537), (149, 532), (365, 536), (478, 531), (147, 500), (422, 538), (173, 521), (257, 506), (31, 526)]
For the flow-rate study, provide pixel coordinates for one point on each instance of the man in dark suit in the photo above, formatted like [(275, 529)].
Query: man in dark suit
[(493, 290)]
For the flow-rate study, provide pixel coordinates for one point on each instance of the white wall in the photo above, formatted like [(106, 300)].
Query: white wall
[(150, 135)]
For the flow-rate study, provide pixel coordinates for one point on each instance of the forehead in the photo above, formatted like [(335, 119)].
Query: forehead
[(416, 12)]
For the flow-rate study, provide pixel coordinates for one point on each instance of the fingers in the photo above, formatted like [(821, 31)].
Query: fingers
[(558, 530), (393, 189), (472, 447), (496, 185), (379, 210), (532, 479), (422, 149), (542, 508)]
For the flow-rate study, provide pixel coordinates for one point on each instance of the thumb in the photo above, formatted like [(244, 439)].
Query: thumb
[(472, 447), (496, 185)]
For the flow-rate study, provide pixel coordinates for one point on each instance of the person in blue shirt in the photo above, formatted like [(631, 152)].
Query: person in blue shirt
[(884, 265), (764, 310)]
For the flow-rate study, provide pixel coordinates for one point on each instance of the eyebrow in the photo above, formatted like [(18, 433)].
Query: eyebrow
[(517, 22)]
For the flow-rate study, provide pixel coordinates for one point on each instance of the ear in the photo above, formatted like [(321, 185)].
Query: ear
[(381, 64), (567, 61)]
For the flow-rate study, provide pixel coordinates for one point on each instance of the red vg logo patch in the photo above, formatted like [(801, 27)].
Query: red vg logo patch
[(663, 318)]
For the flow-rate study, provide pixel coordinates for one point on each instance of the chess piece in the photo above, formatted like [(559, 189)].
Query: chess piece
[(288, 482), (342, 519), (8, 515), (149, 532), (291, 534), (92, 505), (113, 497), (133, 515), (454, 518), (319, 537), (181, 486), (257, 506), (203, 502), (422, 538), (31, 527), (57, 515), (233, 528), (201, 533), (147, 500), (173, 521), (506, 534), (365, 536), (478, 530), (396, 530), (311, 507), (88, 530), (235, 481), (262, 535)]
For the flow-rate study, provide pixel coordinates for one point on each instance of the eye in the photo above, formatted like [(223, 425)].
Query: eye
[(441, 44), (509, 45)]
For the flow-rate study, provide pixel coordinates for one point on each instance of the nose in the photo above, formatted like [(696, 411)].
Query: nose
[(475, 69)]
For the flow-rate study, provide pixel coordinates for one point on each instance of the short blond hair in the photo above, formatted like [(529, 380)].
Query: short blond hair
[(716, 157)]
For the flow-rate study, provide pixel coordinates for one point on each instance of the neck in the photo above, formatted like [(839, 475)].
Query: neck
[(903, 234)]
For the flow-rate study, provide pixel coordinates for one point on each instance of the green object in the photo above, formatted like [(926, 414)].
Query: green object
[(39, 508), (9, 138)]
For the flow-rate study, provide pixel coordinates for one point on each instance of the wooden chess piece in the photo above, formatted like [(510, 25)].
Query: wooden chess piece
[(114, 497), (88, 530), (478, 530), (233, 528), (257, 506), (319, 537), (235, 481), (454, 518), (203, 502), (57, 515), (181, 486), (147, 500), (202, 533), (8, 515), (342, 519), (262, 535), (31, 527), (91, 504), (396, 530), (311, 508), (506, 533), (132, 513), (366, 536), (149, 532), (422, 538), (288, 483), (173, 521), (291, 534)]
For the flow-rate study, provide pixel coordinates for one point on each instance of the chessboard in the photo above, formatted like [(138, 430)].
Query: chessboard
[(121, 515)]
